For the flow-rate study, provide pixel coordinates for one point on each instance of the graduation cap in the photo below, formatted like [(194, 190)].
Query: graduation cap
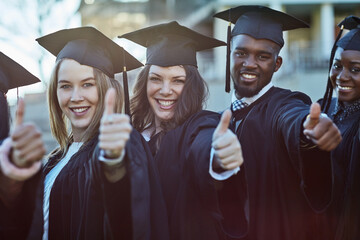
[(171, 44), (90, 47), (259, 22), (351, 41), (13, 75)]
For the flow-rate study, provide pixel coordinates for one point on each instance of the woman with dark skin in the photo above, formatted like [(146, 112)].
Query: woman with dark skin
[(342, 219)]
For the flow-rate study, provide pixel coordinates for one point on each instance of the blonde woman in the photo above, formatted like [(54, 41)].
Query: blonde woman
[(99, 178)]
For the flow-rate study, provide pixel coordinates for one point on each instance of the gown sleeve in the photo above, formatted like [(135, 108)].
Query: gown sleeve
[(312, 165), (134, 202)]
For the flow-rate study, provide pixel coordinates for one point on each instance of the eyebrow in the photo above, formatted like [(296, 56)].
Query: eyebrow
[(83, 80), (259, 52), (180, 76)]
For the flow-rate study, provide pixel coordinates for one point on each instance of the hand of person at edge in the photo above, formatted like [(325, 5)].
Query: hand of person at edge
[(25, 147), (115, 128), (321, 130), (228, 153)]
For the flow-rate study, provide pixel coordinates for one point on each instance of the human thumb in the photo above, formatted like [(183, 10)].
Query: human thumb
[(313, 117), (223, 124), (19, 116), (110, 99)]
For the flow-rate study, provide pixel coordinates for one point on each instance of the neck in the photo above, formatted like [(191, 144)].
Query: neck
[(78, 135)]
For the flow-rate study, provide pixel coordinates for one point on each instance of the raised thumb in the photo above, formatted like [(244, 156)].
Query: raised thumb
[(110, 99), (223, 124), (313, 117), (19, 116)]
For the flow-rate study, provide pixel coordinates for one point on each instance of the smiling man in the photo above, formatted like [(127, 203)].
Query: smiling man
[(282, 177)]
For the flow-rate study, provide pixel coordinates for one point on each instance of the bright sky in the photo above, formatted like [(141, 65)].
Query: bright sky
[(22, 48)]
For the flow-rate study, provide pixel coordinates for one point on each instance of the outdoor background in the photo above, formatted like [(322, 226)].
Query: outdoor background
[(306, 51)]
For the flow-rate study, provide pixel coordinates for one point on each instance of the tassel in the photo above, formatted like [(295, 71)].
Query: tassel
[(126, 92), (227, 77), (329, 88)]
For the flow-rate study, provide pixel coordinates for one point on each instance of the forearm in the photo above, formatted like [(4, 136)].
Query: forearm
[(114, 169), (10, 190)]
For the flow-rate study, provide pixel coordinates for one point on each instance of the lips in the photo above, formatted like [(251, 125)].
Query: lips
[(79, 110), (248, 77), (166, 104), (344, 88)]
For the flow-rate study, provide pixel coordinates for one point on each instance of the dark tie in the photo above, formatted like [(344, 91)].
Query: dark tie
[(238, 105), (236, 108)]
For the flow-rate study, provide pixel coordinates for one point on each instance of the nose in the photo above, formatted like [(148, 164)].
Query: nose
[(343, 75), (249, 62), (76, 95), (166, 89)]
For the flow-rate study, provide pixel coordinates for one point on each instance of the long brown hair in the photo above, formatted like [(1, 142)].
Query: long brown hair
[(191, 100), (59, 124)]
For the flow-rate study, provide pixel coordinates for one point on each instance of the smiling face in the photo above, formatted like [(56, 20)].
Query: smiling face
[(345, 75), (164, 86), (253, 62), (77, 95)]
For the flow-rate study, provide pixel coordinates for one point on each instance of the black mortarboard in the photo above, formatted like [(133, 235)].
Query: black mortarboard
[(259, 22), (351, 41), (90, 47), (13, 75), (171, 44)]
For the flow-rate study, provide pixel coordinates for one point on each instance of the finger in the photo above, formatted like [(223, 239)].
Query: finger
[(313, 117), (223, 124), (329, 140), (232, 165), (25, 135), (19, 116), (115, 129), (110, 99), (109, 138), (31, 152)]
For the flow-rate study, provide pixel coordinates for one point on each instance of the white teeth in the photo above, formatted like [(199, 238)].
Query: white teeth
[(344, 88), (250, 76), (166, 103), (79, 110)]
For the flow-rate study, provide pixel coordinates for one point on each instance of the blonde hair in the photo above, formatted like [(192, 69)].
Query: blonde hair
[(59, 124)]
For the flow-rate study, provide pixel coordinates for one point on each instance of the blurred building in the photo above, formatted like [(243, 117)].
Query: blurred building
[(305, 53)]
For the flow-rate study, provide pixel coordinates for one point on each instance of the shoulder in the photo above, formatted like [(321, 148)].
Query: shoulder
[(203, 118), (284, 96)]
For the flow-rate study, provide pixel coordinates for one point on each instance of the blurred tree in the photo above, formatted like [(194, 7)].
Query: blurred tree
[(22, 21)]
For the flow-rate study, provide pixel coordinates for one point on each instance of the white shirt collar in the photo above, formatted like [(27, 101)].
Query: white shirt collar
[(250, 100)]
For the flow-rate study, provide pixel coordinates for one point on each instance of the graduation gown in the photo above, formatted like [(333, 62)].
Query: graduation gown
[(195, 209), (286, 186), (4, 118), (84, 205), (341, 221)]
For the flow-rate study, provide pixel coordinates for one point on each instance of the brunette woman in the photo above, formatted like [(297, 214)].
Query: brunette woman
[(167, 104)]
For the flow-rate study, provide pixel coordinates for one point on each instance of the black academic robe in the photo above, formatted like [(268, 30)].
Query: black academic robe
[(194, 207), (341, 221), (4, 118), (84, 205), (285, 185)]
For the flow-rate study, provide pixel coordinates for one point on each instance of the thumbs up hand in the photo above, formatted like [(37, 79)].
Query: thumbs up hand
[(27, 144), (115, 128), (321, 130), (228, 153)]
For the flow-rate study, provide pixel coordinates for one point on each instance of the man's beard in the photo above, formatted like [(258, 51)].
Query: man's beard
[(243, 91)]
